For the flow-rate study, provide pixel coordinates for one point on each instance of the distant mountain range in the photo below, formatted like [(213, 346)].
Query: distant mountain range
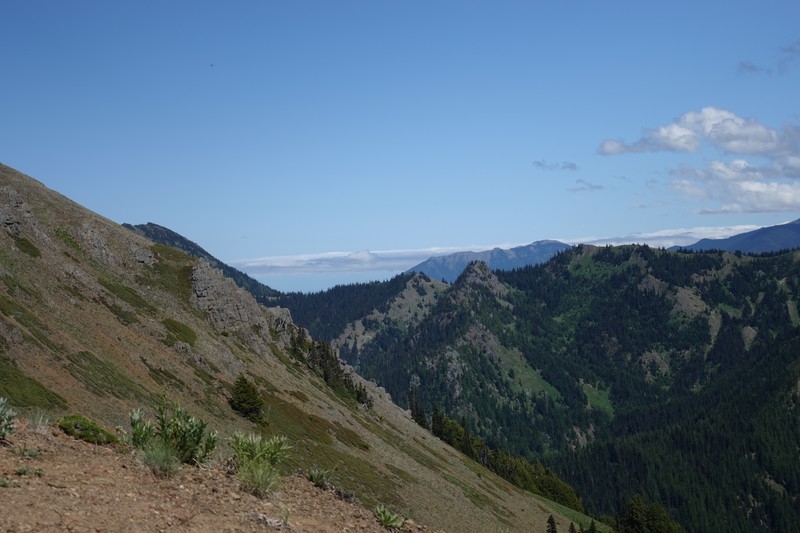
[(449, 267), (762, 240)]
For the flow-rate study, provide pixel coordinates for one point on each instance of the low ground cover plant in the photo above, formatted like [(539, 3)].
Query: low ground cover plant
[(82, 428)]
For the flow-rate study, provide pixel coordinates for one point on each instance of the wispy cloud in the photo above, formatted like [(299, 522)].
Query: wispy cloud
[(358, 261), (563, 165), (583, 185), (669, 237), (787, 57)]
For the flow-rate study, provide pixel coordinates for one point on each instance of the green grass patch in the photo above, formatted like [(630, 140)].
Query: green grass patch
[(289, 420), (172, 271), (28, 320), (599, 399), (102, 377), (126, 294), (179, 332), (24, 391), (67, 238), (82, 428), (351, 472), (479, 499), (300, 395), (572, 515), (124, 316), (402, 474), (26, 246), (163, 376), (731, 310), (349, 437)]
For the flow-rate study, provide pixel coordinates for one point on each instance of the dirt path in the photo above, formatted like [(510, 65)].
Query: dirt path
[(52, 482)]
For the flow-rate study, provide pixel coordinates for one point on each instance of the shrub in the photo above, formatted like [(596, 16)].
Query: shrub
[(177, 430), (255, 448), (387, 518), (246, 400), (257, 460), (142, 431), (82, 428), (320, 477), (39, 422), (7, 415), (257, 477), (161, 459)]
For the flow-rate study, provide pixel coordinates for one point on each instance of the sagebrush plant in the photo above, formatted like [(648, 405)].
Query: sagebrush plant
[(387, 518), (7, 416)]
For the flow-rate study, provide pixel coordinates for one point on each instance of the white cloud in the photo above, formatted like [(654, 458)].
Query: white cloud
[(764, 183), (721, 128)]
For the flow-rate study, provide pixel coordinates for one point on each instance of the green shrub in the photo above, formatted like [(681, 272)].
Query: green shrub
[(257, 477), (320, 477), (257, 460), (142, 431), (246, 400), (161, 459), (7, 415), (82, 428), (387, 518), (249, 448), (186, 434)]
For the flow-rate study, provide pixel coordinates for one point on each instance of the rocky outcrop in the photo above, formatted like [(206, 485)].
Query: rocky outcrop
[(16, 217), (234, 310)]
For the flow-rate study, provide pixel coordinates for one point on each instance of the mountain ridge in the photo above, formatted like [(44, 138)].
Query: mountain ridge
[(449, 267), (762, 240)]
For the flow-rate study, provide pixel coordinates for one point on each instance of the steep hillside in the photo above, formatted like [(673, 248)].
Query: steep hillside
[(98, 320), (449, 267), (627, 368)]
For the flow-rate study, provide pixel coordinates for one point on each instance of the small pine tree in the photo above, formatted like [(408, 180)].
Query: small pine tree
[(572, 528), (417, 409), (551, 525), (246, 400)]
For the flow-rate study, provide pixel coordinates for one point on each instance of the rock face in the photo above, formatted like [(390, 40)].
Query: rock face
[(15, 214), (232, 309)]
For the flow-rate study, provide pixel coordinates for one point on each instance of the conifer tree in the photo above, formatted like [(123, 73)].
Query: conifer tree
[(245, 399), (551, 525)]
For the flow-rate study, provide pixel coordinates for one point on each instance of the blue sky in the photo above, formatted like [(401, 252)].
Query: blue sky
[(311, 143)]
